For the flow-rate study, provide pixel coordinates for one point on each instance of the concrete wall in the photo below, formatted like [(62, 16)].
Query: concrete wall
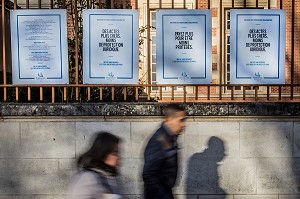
[(222, 157)]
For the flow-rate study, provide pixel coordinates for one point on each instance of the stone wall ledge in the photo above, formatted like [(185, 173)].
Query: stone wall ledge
[(150, 109)]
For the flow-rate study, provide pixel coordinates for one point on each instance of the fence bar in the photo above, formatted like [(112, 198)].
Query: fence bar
[(76, 51), (160, 92), (196, 2), (136, 93), (172, 95), (269, 4), (27, 4), (280, 4), (245, 3), (136, 4), (125, 93), (196, 93), (88, 4), (28, 93), (100, 4), (17, 94), (100, 93), (149, 92), (292, 42), (256, 4), (255, 91), (113, 93), (160, 3), (111, 4), (4, 50), (65, 93), (15, 4), (232, 4), (268, 93), (232, 93), (279, 93), (148, 43), (41, 94), (172, 4), (89, 93), (184, 93), (184, 2), (244, 93), (51, 4), (53, 94), (292, 92), (124, 4), (221, 45), (208, 92), (40, 4)]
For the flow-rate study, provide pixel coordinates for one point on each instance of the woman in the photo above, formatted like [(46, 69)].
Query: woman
[(97, 175)]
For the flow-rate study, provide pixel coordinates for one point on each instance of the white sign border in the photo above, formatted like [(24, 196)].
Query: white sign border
[(64, 74)]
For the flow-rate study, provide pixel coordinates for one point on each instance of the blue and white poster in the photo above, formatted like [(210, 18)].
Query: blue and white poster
[(39, 46), (257, 46), (110, 46), (184, 42)]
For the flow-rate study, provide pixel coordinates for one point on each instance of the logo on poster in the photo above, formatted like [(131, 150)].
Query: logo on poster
[(111, 76), (257, 76), (184, 76)]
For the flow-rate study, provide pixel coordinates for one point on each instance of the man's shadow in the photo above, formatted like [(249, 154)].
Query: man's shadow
[(202, 177)]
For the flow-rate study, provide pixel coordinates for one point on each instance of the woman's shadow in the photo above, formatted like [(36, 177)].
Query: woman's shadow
[(202, 177)]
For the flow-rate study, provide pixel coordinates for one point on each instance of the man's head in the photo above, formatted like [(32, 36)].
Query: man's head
[(175, 118)]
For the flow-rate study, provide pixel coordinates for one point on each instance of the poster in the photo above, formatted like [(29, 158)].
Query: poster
[(39, 46), (110, 46), (184, 43), (257, 46)]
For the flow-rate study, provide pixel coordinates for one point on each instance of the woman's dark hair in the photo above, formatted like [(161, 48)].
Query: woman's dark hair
[(104, 144)]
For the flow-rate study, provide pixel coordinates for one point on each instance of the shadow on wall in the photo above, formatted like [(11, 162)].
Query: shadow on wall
[(202, 176)]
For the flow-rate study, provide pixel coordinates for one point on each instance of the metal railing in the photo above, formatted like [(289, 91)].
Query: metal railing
[(78, 92)]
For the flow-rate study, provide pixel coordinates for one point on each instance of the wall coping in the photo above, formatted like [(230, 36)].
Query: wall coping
[(150, 109)]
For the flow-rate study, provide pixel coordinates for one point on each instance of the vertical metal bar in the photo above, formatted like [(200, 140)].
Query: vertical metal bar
[(53, 94), (172, 95), (268, 93), (221, 46), (232, 4), (255, 91), (292, 42), (148, 43), (51, 4), (113, 93), (269, 4), (15, 4), (184, 4), (172, 4), (125, 93), (280, 4), (136, 93), (184, 93), (196, 93), (232, 93), (100, 4), (28, 94), (124, 4), (111, 4), (88, 4), (76, 51), (279, 94), (220, 94), (100, 93), (65, 93), (244, 93), (4, 50), (89, 93), (17, 94), (245, 3), (41, 94), (27, 4), (208, 92), (149, 92), (256, 4), (136, 4), (40, 4), (160, 3), (292, 92), (208, 4), (196, 2), (160, 92)]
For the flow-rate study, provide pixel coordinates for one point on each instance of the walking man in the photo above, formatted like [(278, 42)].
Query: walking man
[(161, 162)]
